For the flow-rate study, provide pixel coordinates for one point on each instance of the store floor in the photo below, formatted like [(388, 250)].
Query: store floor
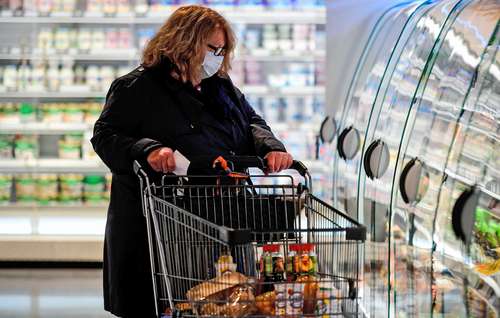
[(51, 293)]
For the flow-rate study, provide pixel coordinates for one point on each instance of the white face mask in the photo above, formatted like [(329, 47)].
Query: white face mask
[(211, 64)]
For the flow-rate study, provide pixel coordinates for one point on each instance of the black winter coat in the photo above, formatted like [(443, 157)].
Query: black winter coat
[(147, 109)]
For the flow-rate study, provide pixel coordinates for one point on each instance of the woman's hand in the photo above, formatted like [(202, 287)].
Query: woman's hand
[(162, 160), (278, 160)]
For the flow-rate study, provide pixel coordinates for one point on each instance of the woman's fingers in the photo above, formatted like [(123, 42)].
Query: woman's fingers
[(162, 160), (278, 161), (171, 162), (271, 159)]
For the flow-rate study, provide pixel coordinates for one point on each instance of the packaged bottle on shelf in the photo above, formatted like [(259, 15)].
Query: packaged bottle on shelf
[(45, 40), (24, 76), (51, 113), (93, 78), (109, 7), (106, 75), (143, 35), (26, 147), (53, 77), (25, 188), (46, 188), (111, 38), (69, 6), (29, 8), (10, 78), (125, 39), (122, 7), (62, 39), (301, 37), (93, 189), (80, 74), (45, 7), (9, 113), (94, 7), (70, 146), (98, 40), (27, 113), (72, 113), (252, 38), (66, 76), (38, 77), (6, 146), (271, 106), (285, 38), (71, 186), (141, 7), (92, 112), (5, 187), (270, 37), (84, 39)]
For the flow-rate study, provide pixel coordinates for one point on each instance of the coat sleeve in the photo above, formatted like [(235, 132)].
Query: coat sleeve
[(264, 139), (115, 139)]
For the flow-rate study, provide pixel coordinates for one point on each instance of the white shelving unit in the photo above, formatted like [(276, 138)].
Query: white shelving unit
[(309, 16), (249, 90), (44, 232)]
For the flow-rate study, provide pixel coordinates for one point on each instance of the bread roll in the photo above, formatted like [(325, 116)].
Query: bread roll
[(214, 286)]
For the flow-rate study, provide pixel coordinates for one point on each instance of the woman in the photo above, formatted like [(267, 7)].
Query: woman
[(180, 98)]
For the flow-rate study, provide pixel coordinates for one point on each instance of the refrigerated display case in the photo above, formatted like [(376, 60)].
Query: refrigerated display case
[(424, 179), (57, 59)]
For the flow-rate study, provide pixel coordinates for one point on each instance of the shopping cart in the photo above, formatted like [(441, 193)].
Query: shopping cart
[(234, 244)]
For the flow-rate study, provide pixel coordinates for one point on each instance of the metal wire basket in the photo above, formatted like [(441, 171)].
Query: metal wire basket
[(201, 226)]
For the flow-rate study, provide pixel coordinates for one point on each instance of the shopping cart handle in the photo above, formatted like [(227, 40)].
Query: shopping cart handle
[(300, 167)]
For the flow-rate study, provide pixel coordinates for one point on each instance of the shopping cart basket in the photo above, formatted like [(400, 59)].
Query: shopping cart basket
[(234, 244)]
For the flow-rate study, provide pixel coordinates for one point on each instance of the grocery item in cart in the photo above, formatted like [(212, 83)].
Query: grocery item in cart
[(227, 295), (213, 288), (225, 265), (305, 259), (327, 299), (266, 303), (240, 303)]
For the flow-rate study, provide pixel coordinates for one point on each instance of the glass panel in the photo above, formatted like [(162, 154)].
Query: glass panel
[(355, 110), (433, 128), (390, 107)]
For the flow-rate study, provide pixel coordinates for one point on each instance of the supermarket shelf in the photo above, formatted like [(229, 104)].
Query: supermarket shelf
[(43, 128), (132, 55), (311, 16), (250, 90), (17, 209), (116, 55), (51, 166), (51, 248), (283, 91), (52, 95)]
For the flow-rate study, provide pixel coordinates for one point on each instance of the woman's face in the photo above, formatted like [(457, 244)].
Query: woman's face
[(216, 41)]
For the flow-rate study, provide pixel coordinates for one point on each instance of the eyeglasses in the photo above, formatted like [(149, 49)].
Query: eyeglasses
[(218, 51)]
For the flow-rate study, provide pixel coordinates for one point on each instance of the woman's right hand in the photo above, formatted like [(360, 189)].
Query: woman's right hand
[(162, 160)]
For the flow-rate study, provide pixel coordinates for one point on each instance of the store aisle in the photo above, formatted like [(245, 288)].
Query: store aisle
[(54, 293)]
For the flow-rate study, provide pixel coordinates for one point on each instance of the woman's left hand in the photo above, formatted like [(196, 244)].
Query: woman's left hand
[(278, 160)]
